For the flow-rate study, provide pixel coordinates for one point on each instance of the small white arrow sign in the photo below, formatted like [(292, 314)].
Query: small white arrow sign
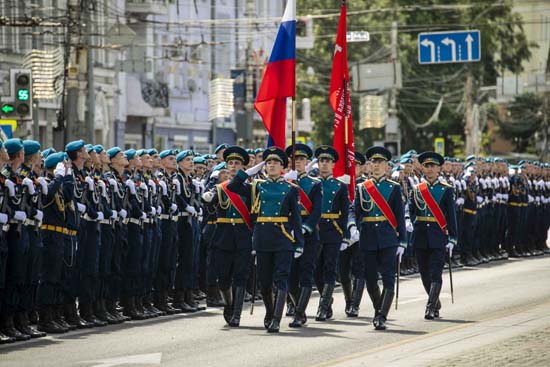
[(469, 40), (449, 42), (431, 45), (153, 359)]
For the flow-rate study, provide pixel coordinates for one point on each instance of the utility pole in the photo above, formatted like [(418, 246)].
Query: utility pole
[(469, 132), (248, 122), (90, 117), (213, 66)]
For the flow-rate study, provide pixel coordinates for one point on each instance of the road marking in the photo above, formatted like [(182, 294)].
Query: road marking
[(496, 315), (153, 359)]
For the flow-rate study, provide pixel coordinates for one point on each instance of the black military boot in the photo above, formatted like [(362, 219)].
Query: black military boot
[(33, 317), (4, 339), (179, 302), (189, 297), (213, 297), (431, 306), (129, 305), (73, 318), (111, 306), (379, 321), (22, 324), (267, 298), (325, 303), (358, 287), (102, 313), (300, 317), (227, 295), (87, 313), (278, 312), (237, 307), (348, 291), (138, 301), (290, 307), (8, 328), (150, 305), (58, 317), (161, 302), (46, 322)]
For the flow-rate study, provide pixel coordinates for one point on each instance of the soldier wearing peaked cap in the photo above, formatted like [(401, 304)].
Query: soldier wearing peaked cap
[(277, 231), (432, 211), (333, 228), (303, 265), (232, 237), (379, 212)]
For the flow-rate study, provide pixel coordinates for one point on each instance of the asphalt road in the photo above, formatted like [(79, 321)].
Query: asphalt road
[(492, 303)]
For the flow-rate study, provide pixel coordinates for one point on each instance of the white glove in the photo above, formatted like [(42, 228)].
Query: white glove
[(163, 187), (344, 179), (200, 212), (173, 208), (144, 187), (215, 174), (479, 199), (152, 184), (30, 185), (131, 186), (304, 230), (39, 215), (113, 183), (19, 215), (291, 175), (69, 172), (450, 247), (253, 253), (101, 184), (400, 252), (531, 199), (198, 186), (208, 196), (153, 211), (255, 169), (143, 216), (60, 169), (191, 210), (298, 252), (114, 215), (43, 185), (123, 213), (354, 234), (344, 246), (90, 182), (159, 209), (311, 165), (11, 187), (409, 225), (176, 183), (3, 218), (81, 207), (100, 216)]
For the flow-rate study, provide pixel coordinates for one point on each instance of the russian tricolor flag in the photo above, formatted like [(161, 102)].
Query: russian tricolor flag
[(279, 80)]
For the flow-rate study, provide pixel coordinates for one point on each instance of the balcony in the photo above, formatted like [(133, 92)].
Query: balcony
[(154, 7)]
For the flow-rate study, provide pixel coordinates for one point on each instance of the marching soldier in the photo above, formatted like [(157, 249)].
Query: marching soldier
[(277, 231), (311, 202), (379, 208), (432, 210), (332, 229)]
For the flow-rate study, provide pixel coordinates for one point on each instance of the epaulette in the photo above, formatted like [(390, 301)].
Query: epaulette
[(24, 172), (392, 181), (6, 172), (445, 184)]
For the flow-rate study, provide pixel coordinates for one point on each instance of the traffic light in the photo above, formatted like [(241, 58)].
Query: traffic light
[(21, 81)]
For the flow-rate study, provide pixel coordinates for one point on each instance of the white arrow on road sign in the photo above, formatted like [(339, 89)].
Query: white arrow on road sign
[(469, 40), (153, 359), (449, 42), (431, 45)]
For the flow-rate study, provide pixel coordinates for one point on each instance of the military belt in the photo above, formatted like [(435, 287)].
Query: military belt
[(271, 219), (304, 212), (374, 219), (470, 211), (330, 215), (230, 220), (105, 221), (517, 204), (426, 219), (211, 222), (132, 220), (49, 227), (30, 222), (165, 216), (88, 218)]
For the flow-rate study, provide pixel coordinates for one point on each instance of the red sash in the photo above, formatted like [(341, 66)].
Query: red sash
[(305, 200), (381, 203), (433, 206), (238, 203)]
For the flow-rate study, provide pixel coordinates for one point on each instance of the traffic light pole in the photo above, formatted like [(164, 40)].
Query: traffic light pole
[(90, 117)]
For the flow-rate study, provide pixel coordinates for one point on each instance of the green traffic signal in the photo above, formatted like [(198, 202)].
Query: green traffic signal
[(8, 108), (23, 94)]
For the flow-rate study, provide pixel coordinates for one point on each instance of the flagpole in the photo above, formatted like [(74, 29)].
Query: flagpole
[(346, 133), (293, 138)]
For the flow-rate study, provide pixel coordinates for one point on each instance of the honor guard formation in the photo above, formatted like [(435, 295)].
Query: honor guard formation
[(93, 236)]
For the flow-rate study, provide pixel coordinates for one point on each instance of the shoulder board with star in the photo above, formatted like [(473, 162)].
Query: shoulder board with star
[(6, 172), (445, 184), (23, 172), (392, 181)]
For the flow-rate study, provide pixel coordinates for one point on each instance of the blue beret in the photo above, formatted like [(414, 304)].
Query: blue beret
[(46, 152), (152, 151), (141, 152), (219, 166), (258, 150), (73, 146), (199, 160), (326, 151), (405, 160), (53, 159), (113, 151), (130, 154), (89, 147), (183, 155), (166, 153), (13, 145), (98, 148), (31, 147), (470, 158), (220, 147), (469, 164)]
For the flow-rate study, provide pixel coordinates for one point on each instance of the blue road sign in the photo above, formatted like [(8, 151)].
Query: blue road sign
[(449, 47)]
